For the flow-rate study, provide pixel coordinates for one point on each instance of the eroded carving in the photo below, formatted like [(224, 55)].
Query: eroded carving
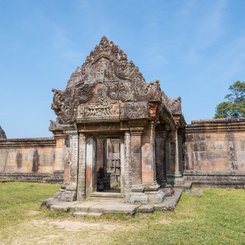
[(136, 110), (55, 126), (173, 105)]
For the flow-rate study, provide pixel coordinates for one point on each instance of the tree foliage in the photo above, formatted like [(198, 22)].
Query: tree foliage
[(234, 106)]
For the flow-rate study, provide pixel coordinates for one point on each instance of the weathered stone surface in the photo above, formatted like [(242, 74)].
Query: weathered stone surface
[(32, 177), (115, 207), (87, 214), (146, 208), (66, 195), (83, 206), (102, 207), (170, 202), (27, 155), (213, 146), (214, 152), (169, 190)]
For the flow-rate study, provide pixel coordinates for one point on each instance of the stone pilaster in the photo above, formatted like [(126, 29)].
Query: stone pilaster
[(66, 157), (127, 171), (168, 154), (160, 154), (177, 169), (174, 175), (151, 187), (81, 179), (136, 168), (137, 194), (60, 150), (73, 145)]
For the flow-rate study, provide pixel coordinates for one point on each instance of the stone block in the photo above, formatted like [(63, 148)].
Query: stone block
[(83, 206), (138, 198), (146, 208), (155, 196)]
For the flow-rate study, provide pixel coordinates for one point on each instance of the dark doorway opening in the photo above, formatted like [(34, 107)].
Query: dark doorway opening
[(108, 165)]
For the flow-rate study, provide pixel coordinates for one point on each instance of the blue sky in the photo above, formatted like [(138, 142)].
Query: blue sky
[(195, 48)]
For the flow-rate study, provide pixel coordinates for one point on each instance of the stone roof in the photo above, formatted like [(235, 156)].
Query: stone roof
[(108, 85)]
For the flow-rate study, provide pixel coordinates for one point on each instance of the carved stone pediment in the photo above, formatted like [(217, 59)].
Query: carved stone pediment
[(122, 84)]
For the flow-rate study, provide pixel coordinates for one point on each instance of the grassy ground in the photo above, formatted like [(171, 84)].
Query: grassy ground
[(203, 216)]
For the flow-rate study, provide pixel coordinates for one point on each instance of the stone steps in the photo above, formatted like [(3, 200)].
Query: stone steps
[(104, 205), (87, 214), (106, 194)]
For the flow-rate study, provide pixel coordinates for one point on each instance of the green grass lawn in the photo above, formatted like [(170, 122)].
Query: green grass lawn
[(203, 216)]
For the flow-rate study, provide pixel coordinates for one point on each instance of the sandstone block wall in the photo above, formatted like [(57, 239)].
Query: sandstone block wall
[(215, 151), (27, 159)]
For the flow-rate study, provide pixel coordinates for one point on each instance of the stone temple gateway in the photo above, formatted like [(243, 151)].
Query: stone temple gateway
[(118, 129), (118, 137)]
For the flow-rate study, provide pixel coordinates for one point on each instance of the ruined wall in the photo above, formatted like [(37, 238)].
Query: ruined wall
[(29, 159), (215, 152)]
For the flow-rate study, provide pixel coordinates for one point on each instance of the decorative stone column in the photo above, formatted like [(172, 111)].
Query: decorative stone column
[(81, 177), (136, 169)]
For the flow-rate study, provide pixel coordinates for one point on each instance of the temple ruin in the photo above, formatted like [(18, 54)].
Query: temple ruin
[(116, 134)]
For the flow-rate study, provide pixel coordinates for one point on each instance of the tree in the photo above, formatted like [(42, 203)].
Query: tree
[(234, 106)]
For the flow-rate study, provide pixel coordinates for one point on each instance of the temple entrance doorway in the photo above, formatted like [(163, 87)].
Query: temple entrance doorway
[(108, 164)]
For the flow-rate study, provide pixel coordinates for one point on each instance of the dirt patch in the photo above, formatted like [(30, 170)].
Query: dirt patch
[(77, 226), (32, 213), (47, 239), (69, 225)]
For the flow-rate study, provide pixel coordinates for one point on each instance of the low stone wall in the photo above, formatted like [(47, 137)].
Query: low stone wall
[(56, 177), (215, 152), (29, 160)]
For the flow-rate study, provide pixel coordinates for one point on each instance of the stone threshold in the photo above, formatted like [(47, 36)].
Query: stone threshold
[(98, 207)]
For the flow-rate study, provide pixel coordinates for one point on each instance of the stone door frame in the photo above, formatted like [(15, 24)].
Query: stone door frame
[(105, 149), (87, 170)]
